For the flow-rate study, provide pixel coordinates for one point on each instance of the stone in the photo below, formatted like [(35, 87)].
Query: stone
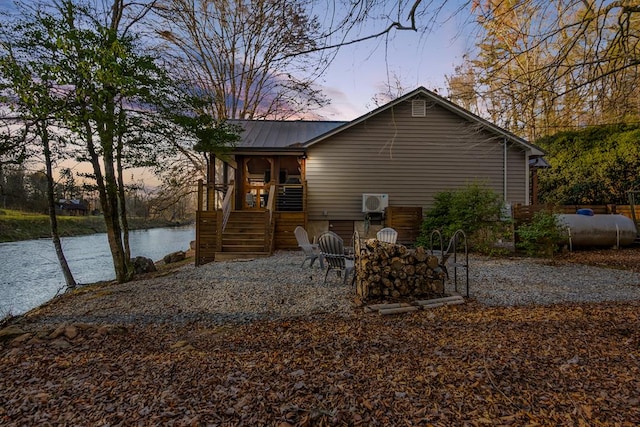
[(60, 343), (57, 332), (71, 332), (10, 332), (143, 265), (174, 257), (20, 339), (179, 344)]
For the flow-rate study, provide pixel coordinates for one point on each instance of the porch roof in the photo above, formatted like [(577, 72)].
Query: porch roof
[(278, 135)]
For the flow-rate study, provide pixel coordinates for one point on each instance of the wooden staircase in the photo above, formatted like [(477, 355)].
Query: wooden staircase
[(245, 236)]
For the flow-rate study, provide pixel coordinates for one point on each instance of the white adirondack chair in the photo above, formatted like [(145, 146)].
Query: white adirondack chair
[(311, 250), (388, 235)]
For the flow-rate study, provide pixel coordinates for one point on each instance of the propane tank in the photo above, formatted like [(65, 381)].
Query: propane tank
[(597, 230)]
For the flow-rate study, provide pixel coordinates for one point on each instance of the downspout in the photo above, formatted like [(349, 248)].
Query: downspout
[(504, 178), (527, 177)]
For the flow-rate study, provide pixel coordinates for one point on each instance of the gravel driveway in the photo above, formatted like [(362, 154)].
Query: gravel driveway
[(241, 291), (523, 281)]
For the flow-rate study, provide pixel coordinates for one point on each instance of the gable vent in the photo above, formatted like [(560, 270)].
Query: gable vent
[(418, 108)]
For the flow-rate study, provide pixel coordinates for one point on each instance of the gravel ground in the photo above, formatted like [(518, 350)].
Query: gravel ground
[(525, 281), (273, 287)]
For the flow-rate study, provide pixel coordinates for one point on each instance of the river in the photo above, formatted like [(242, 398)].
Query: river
[(30, 274)]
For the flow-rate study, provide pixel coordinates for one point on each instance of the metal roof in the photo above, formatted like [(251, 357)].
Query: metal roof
[(276, 134)]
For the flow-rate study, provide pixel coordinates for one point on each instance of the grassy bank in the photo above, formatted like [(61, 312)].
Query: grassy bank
[(16, 225)]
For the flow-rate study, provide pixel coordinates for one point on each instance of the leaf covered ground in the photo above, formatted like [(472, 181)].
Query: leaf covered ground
[(464, 365), (566, 364), (625, 258)]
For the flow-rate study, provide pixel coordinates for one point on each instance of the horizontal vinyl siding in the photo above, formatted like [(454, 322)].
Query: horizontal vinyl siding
[(409, 158), (516, 177)]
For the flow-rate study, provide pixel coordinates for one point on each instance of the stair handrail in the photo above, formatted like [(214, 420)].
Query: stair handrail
[(271, 201), (226, 206)]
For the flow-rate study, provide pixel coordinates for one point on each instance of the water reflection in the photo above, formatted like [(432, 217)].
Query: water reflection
[(30, 274)]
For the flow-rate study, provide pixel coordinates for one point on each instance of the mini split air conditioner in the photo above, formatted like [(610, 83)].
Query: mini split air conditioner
[(374, 202)]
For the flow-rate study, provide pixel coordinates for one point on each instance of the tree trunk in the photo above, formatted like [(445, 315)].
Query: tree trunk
[(122, 202), (107, 189), (53, 219)]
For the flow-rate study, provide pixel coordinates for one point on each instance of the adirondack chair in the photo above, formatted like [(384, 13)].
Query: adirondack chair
[(311, 250), (332, 248), (388, 235)]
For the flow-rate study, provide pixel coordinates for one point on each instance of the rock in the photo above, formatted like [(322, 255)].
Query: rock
[(60, 343), (179, 344), (71, 332), (109, 330), (57, 332), (20, 339), (10, 332), (174, 257), (143, 265)]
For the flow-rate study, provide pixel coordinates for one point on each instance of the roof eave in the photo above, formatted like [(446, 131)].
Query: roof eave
[(270, 151)]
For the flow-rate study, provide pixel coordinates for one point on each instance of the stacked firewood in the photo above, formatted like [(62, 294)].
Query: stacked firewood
[(386, 270)]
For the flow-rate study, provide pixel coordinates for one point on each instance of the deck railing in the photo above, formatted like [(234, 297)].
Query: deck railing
[(227, 205), (290, 198)]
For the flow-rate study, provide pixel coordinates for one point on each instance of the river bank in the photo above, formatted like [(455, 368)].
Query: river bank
[(17, 226), (30, 273)]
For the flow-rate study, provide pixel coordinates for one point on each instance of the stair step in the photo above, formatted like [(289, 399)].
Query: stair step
[(242, 250), (243, 242), (244, 224), (244, 236), (227, 256), (240, 233), (234, 222), (243, 246)]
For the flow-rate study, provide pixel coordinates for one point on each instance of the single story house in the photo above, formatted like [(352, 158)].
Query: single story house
[(358, 175), (71, 207)]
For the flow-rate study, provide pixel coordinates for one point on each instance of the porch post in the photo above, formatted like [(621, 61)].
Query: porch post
[(211, 182), (240, 182), (534, 186), (275, 166)]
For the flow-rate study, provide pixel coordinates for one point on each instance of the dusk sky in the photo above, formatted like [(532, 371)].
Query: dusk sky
[(360, 71)]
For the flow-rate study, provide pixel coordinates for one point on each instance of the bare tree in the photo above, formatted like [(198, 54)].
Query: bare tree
[(462, 87), (389, 90), (243, 55), (542, 66)]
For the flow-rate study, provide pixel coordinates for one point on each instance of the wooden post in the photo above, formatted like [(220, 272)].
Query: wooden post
[(199, 195), (534, 186), (211, 185), (219, 230)]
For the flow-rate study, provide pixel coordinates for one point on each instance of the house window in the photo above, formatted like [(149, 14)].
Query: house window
[(418, 108)]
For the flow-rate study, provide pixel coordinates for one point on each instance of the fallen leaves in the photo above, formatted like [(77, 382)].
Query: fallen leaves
[(566, 364), (573, 364)]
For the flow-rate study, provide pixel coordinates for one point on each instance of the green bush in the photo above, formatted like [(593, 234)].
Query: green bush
[(475, 209), (541, 237)]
